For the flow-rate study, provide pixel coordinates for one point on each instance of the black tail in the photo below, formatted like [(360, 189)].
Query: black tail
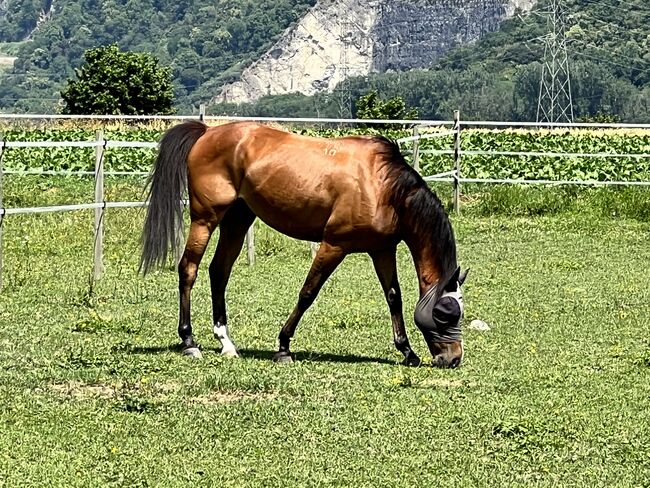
[(163, 226)]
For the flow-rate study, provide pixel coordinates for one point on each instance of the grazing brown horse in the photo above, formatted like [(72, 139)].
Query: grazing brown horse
[(353, 194)]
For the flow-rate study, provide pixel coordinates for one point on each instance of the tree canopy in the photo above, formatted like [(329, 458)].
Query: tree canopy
[(370, 106), (119, 83)]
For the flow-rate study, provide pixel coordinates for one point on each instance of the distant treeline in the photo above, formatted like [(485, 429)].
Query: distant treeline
[(208, 44)]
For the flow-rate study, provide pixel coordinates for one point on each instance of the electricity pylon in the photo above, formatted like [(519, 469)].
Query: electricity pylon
[(554, 103), (345, 95)]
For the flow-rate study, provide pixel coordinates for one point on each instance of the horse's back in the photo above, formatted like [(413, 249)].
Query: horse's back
[(304, 187)]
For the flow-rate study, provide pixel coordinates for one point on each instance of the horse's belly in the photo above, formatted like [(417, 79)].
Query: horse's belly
[(298, 219)]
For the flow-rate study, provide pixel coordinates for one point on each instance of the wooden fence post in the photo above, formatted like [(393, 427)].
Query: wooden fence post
[(416, 149), (201, 112), (250, 245), (98, 268), (457, 161), (2, 216)]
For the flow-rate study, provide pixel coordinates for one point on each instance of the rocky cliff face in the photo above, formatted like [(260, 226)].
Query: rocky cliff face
[(342, 38)]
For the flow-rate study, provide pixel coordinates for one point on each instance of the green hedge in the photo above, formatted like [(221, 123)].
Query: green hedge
[(576, 141)]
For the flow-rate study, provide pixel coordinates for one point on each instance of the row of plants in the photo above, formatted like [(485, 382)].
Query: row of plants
[(546, 167), (473, 166)]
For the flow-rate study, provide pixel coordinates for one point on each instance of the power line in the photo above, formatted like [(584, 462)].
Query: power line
[(617, 55), (618, 5), (576, 53), (606, 22)]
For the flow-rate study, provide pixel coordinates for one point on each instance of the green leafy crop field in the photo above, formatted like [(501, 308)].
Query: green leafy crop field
[(94, 393), (473, 166)]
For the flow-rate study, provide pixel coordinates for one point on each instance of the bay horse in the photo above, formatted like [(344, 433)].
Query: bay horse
[(351, 194)]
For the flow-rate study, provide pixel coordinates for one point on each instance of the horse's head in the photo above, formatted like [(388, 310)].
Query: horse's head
[(438, 315)]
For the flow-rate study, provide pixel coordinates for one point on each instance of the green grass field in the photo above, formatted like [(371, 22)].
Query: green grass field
[(557, 393)]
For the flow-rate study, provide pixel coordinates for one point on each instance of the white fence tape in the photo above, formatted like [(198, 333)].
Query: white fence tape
[(514, 181), (318, 120), (53, 143), (70, 208), (152, 145), (36, 172), (225, 118), (426, 135), (553, 155), (53, 208), (440, 175)]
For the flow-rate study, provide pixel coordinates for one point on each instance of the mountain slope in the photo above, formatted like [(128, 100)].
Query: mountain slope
[(341, 38), (497, 78)]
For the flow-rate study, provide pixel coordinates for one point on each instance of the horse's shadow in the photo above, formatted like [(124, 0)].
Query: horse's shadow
[(267, 355)]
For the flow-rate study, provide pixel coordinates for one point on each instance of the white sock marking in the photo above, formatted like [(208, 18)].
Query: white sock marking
[(227, 346)]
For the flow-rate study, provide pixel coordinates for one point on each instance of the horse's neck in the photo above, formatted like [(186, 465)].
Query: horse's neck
[(426, 265), (429, 237)]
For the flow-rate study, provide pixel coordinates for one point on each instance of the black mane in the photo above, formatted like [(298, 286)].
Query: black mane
[(417, 207)]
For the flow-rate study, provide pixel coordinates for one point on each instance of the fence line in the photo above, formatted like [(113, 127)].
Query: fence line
[(20, 172), (98, 243), (555, 154), (446, 152), (53, 143), (516, 181), (2, 149), (152, 145), (225, 118), (428, 135), (319, 120), (454, 176)]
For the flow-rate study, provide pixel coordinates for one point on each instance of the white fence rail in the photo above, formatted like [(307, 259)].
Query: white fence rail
[(326, 121), (454, 176)]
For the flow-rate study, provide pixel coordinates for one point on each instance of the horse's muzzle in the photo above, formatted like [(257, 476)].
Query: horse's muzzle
[(446, 354)]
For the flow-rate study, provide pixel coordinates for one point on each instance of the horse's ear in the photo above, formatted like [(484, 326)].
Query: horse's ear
[(463, 276), (452, 283)]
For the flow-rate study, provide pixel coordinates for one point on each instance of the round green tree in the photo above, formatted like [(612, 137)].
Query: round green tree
[(119, 83), (370, 106)]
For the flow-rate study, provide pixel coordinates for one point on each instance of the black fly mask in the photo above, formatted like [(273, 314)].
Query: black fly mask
[(438, 315)]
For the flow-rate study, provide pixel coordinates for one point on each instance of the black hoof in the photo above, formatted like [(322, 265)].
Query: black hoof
[(412, 360), (282, 357)]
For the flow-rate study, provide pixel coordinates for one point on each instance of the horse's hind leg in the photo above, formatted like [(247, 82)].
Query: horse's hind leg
[(188, 267), (386, 268), (233, 229), (325, 262)]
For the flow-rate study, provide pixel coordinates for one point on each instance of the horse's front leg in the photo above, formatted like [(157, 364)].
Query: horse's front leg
[(386, 268), (232, 232), (325, 262)]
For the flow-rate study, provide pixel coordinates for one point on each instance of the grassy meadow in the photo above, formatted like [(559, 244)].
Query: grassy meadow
[(94, 393)]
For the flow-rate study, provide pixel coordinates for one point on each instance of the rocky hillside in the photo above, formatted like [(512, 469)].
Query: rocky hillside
[(365, 36)]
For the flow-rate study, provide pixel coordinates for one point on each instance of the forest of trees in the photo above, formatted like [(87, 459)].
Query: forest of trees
[(207, 44)]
